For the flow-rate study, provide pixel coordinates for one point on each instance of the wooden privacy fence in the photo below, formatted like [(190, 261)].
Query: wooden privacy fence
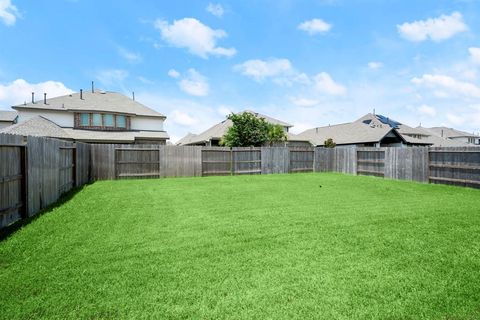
[(36, 172)]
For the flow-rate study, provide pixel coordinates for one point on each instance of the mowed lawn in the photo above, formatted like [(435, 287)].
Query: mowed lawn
[(299, 246)]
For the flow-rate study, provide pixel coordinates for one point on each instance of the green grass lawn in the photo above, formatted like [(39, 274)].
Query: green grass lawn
[(325, 246)]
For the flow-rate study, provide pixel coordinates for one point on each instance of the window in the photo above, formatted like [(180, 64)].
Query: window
[(97, 120), (121, 123), (108, 120), (84, 119)]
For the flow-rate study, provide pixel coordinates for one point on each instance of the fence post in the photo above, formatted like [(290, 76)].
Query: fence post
[(232, 168), (74, 166), (24, 181)]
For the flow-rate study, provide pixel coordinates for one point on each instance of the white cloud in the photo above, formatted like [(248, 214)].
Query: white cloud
[(427, 110), (131, 57), (193, 35), (455, 119), (20, 91), (215, 9), (435, 29), (194, 84), (224, 110), (315, 26), (261, 69), (375, 65), (445, 86), (182, 118), (112, 77), (304, 102), (173, 73), (324, 83), (474, 55), (8, 12)]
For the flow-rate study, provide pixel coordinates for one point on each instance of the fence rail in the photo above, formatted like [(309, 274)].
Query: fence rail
[(36, 171)]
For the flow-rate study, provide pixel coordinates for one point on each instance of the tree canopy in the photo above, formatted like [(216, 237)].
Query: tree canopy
[(250, 131)]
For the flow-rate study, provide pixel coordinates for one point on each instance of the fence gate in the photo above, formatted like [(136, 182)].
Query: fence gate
[(455, 166), (371, 162), (13, 195), (67, 168), (301, 159), (134, 162)]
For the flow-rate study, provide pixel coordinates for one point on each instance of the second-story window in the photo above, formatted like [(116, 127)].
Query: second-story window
[(121, 123), (97, 120), (108, 120), (85, 119)]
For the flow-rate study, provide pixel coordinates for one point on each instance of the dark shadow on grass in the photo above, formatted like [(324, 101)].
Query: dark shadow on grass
[(11, 229)]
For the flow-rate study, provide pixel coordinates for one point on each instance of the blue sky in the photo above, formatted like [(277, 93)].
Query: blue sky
[(310, 63)]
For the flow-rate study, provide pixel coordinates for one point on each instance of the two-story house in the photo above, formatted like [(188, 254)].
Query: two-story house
[(95, 117)]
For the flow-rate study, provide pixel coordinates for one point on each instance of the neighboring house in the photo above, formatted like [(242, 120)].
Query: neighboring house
[(94, 117), (455, 135), (368, 131), (7, 118), (213, 135)]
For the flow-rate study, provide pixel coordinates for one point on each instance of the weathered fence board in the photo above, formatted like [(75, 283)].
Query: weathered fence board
[(336, 159), (247, 160), (275, 160), (407, 164), (301, 159), (176, 161), (12, 179), (102, 161), (82, 163), (371, 161), (455, 166)]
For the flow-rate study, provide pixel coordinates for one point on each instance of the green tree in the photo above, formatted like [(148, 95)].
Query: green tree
[(250, 131), (276, 134), (329, 143)]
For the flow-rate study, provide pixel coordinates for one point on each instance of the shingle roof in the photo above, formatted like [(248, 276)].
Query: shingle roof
[(98, 101), (37, 126), (346, 133), (217, 131), (114, 136), (40, 126), (8, 115), (450, 132)]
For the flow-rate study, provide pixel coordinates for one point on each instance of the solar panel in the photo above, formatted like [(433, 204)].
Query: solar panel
[(385, 120)]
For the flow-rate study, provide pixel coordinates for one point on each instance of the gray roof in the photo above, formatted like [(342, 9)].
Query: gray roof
[(37, 126), (40, 126), (114, 136), (450, 132), (218, 131), (99, 101), (8, 116)]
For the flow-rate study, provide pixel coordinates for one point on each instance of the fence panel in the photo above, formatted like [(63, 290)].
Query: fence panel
[(180, 161), (247, 160), (133, 161), (43, 172), (12, 179), (102, 161), (407, 164), (371, 161), (216, 161), (275, 160), (455, 166), (82, 163), (301, 159), (66, 167)]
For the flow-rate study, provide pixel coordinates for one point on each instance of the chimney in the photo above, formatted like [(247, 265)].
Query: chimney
[(44, 98), (133, 95), (33, 97), (81, 94), (93, 87)]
